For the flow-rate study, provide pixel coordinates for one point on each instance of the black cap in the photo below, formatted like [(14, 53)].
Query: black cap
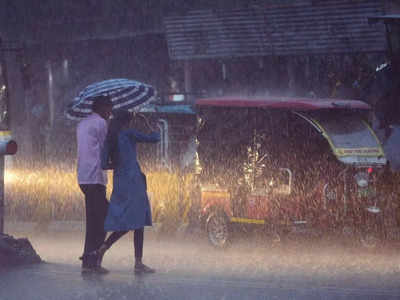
[(101, 101)]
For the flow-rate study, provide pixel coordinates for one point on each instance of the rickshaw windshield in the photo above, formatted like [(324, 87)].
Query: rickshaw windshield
[(348, 131), (349, 136)]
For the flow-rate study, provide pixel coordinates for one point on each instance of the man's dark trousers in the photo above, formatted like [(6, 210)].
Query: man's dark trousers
[(96, 210)]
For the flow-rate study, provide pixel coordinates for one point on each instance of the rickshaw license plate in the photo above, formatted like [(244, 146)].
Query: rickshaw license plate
[(366, 193)]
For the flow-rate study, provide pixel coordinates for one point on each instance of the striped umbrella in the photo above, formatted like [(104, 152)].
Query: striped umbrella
[(125, 94)]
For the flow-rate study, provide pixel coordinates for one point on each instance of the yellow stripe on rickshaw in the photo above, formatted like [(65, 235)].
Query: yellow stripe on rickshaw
[(249, 221), (359, 151)]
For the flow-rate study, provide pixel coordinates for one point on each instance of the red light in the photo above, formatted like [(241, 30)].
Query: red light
[(370, 170)]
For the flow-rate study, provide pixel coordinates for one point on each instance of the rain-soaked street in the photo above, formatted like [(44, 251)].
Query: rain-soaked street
[(273, 113), (188, 268)]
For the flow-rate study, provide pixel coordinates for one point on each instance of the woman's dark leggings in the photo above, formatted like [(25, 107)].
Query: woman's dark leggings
[(137, 240)]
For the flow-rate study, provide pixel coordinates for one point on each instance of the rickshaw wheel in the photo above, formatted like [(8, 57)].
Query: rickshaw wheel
[(276, 238), (369, 240), (372, 235), (218, 230)]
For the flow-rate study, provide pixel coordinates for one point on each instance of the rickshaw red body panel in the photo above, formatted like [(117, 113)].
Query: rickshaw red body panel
[(258, 207), (216, 197)]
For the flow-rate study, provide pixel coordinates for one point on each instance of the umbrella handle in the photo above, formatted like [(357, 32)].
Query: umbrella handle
[(147, 122)]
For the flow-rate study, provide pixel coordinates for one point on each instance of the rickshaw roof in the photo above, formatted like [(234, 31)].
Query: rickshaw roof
[(290, 103)]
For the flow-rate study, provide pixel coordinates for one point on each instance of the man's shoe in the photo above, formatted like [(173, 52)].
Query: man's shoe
[(142, 269), (101, 270), (88, 271)]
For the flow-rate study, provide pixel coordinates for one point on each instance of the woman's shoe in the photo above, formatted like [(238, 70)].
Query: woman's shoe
[(100, 270), (141, 268), (94, 270)]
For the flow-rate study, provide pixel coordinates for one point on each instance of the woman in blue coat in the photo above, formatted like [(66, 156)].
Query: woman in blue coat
[(129, 207)]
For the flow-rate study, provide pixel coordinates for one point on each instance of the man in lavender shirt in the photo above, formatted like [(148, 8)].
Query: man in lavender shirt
[(91, 133)]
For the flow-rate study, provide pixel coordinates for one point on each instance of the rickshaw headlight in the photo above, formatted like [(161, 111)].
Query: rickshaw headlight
[(361, 179), (362, 183)]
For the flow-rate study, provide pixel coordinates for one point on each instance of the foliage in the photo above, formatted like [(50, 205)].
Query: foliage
[(52, 193)]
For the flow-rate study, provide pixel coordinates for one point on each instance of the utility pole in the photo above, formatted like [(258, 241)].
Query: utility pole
[(3, 97), (7, 146)]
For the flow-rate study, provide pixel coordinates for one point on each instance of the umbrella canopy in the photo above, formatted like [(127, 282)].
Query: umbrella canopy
[(125, 94)]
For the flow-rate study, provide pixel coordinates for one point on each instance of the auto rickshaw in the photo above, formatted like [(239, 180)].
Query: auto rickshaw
[(288, 163)]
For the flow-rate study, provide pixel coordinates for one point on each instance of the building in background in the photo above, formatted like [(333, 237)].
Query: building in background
[(218, 47)]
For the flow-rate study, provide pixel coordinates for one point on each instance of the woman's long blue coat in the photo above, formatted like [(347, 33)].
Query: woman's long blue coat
[(129, 207)]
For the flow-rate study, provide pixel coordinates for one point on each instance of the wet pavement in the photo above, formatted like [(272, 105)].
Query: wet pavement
[(188, 268)]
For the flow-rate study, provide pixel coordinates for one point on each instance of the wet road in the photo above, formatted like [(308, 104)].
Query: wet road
[(191, 269)]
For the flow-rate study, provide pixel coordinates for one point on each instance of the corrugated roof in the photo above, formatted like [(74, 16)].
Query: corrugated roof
[(10, 45), (384, 18), (327, 26)]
